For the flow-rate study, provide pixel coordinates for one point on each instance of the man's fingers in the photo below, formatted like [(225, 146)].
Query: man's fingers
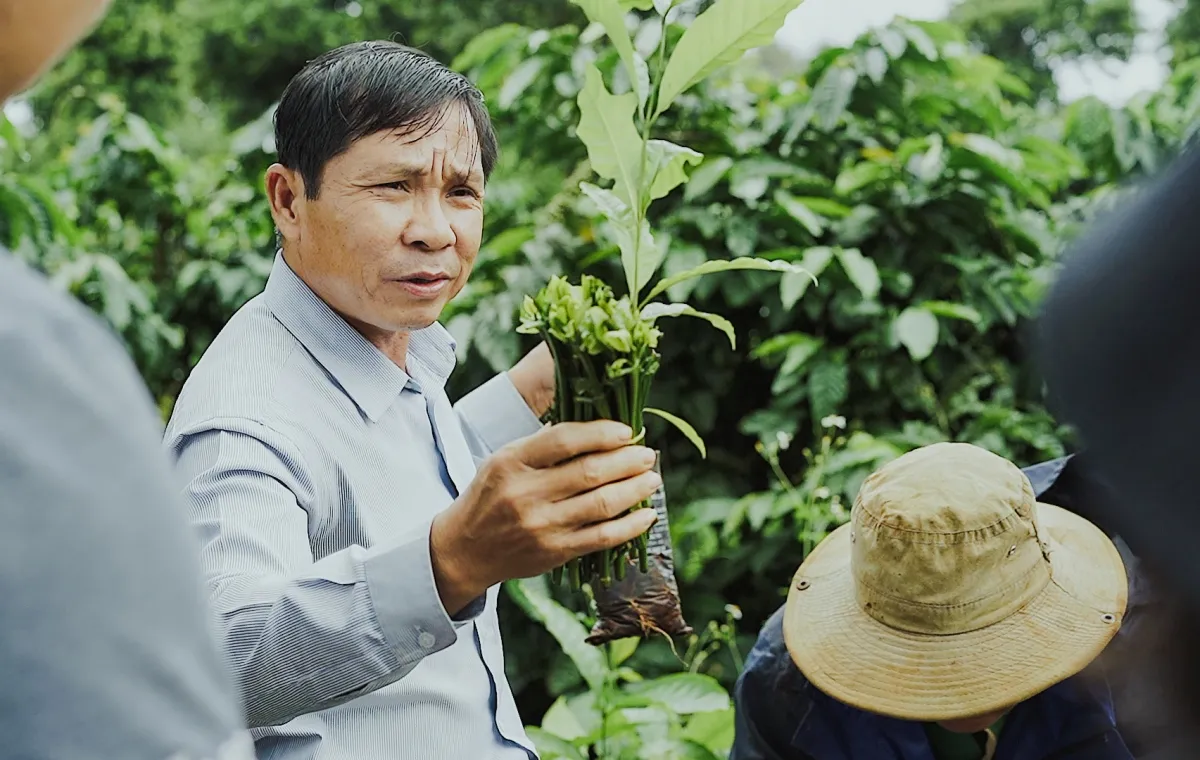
[(592, 471), (611, 533), (609, 501), (567, 440)]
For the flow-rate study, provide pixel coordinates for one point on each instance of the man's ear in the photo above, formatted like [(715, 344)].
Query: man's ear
[(285, 193)]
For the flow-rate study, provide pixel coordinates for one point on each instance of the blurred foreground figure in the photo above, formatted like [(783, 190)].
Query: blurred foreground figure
[(1120, 350), (951, 619), (105, 646)]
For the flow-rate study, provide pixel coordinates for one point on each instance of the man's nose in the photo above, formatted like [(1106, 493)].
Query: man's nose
[(429, 229)]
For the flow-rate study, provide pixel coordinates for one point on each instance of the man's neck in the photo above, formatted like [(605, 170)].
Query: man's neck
[(394, 345)]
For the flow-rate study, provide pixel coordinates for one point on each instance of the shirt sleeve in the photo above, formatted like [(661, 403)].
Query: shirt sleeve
[(765, 716), (106, 646), (301, 633), (496, 414)]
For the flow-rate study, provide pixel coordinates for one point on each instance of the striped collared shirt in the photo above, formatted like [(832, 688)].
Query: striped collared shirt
[(313, 466)]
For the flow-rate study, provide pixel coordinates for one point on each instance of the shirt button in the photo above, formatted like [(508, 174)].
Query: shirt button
[(427, 640)]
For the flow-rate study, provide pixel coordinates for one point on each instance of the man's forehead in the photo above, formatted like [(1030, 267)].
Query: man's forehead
[(449, 141)]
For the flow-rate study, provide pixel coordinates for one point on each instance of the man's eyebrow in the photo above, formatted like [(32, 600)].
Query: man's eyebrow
[(400, 171)]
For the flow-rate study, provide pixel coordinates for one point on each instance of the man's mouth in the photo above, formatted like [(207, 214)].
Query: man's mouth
[(425, 284)]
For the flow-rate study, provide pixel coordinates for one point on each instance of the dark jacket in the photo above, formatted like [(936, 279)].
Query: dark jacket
[(780, 716)]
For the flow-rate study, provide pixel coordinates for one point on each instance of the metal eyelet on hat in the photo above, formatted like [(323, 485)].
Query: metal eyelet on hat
[(1108, 617), (802, 584)]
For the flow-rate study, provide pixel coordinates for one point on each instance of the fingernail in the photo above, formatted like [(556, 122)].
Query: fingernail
[(625, 430), (647, 455)]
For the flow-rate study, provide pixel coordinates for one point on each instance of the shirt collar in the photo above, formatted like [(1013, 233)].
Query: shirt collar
[(365, 374)]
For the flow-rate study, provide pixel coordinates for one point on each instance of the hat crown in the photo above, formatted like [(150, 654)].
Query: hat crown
[(946, 540)]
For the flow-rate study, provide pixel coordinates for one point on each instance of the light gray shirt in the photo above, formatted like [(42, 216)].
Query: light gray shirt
[(106, 649), (314, 467)]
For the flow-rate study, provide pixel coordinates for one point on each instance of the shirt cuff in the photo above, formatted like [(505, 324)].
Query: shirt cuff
[(404, 596), (498, 413)]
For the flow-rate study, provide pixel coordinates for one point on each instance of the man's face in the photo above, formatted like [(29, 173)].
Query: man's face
[(395, 230), (34, 35)]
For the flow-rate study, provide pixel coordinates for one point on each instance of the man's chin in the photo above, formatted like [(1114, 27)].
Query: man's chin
[(411, 320)]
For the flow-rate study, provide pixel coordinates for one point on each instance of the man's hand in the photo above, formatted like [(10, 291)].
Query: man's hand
[(533, 377), (539, 502)]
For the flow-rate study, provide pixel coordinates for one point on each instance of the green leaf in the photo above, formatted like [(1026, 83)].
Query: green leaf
[(667, 164), (484, 47), (505, 245), (859, 225), (831, 95), (892, 42), (610, 15), (718, 36), (1003, 163), (825, 207), (989, 148), (929, 165), (953, 311), (613, 144), (683, 693), (792, 370), (638, 257), (551, 747), (516, 83), (800, 212), (653, 311), (860, 175), (780, 343), (793, 285), (706, 176), (861, 271), (917, 330), (683, 427), (675, 749), (828, 385), (622, 649), (875, 63), (714, 730), (561, 721), (10, 139), (533, 595), (920, 40), (641, 5), (722, 265)]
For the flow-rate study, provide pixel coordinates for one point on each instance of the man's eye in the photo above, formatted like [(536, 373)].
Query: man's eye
[(394, 185), (465, 192)]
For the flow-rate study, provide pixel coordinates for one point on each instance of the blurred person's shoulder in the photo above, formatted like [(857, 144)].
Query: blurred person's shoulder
[(103, 618), (36, 317)]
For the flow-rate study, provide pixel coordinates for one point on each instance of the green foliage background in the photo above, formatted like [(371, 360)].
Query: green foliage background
[(926, 173)]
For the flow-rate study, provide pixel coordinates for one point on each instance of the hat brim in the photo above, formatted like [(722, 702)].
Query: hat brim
[(859, 661)]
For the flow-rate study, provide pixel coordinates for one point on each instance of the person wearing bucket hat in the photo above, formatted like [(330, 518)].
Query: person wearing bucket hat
[(950, 619)]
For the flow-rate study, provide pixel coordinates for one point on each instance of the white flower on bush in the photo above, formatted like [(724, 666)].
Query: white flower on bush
[(822, 493), (838, 510), (834, 421)]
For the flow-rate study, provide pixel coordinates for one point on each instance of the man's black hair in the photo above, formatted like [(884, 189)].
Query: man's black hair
[(367, 87)]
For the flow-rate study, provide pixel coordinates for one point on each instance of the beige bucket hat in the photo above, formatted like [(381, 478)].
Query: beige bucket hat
[(952, 592)]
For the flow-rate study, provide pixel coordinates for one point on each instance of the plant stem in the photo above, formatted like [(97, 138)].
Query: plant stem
[(560, 379)]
